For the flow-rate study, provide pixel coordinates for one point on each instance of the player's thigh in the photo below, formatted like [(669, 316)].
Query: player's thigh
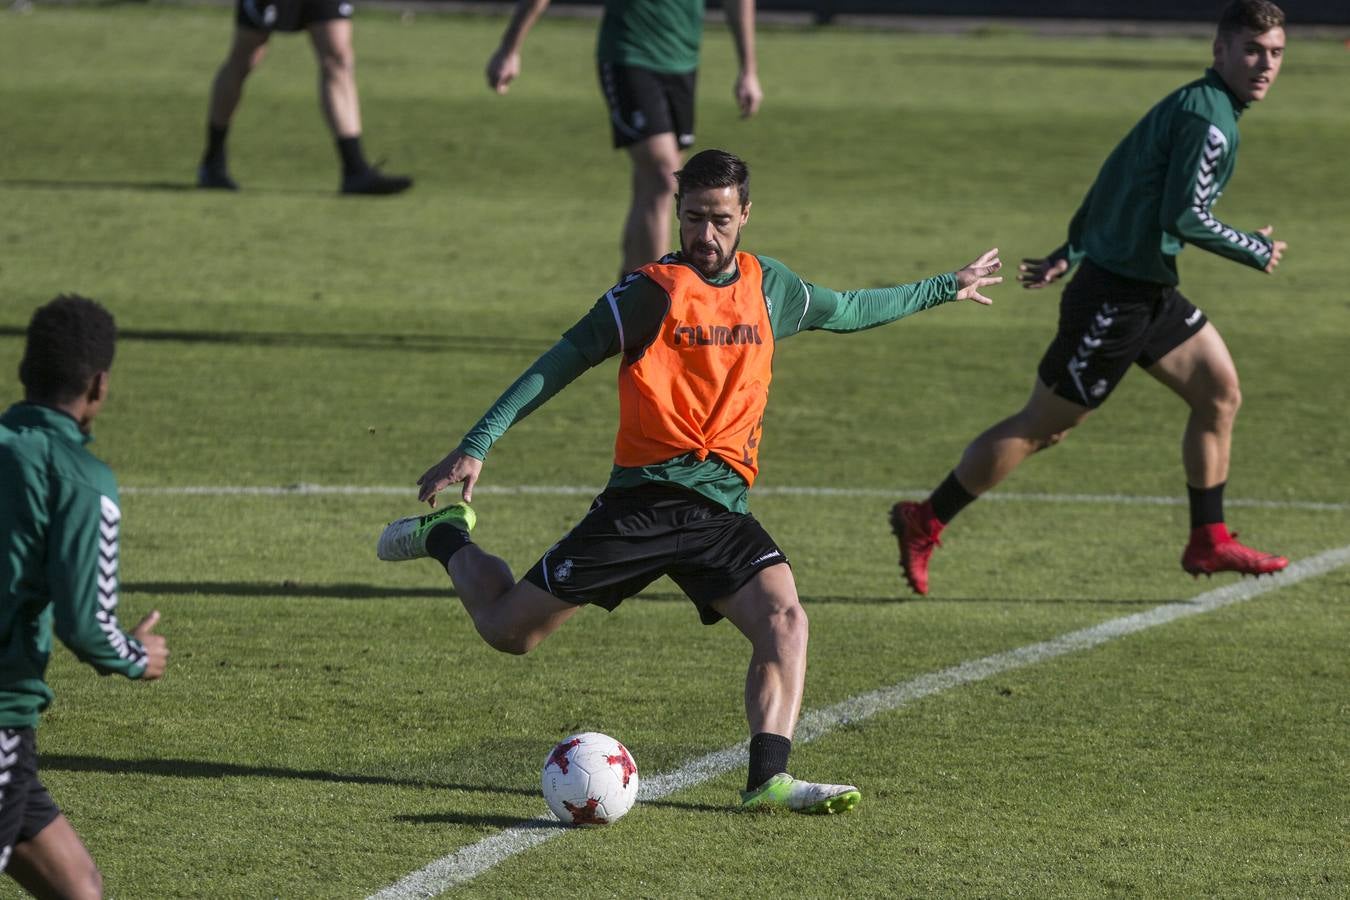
[(332, 40), (248, 46), (1200, 370), (55, 863), (656, 159), (530, 613), (764, 603), (1047, 414)]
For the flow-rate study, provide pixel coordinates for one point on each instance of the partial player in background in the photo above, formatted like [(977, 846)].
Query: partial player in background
[(695, 333), (59, 525), (648, 54), (1154, 194), (329, 23)]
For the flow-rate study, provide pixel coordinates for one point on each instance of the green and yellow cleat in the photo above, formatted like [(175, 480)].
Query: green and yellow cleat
[(782, 791), (407, 537)]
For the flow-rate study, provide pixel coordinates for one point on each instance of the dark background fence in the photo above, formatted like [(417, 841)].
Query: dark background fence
[(1300, 12)]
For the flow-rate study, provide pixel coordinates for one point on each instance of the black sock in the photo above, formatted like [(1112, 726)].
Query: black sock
[(215, 145), (353, 160), (1206, 505), (444, 541), (768, 757), (950, 498)]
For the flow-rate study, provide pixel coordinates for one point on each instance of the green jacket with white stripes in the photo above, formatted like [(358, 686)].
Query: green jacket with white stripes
[(59, 523), (1156, 191)]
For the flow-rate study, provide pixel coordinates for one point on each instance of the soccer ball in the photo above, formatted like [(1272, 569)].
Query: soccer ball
[(590, 779)]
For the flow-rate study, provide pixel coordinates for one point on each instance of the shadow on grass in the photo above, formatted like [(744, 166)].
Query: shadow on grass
[(420, 343), (809, 600), (188, 768), (173, 187), (455, 818), (283, 589)]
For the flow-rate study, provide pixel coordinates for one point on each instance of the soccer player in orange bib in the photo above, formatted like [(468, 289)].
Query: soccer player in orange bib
[(695, 332)]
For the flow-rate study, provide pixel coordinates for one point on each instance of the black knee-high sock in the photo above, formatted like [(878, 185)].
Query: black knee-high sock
[(353, 160), (768, 756), (444, 541), (1206, 504), (950, 498), (215, 145)]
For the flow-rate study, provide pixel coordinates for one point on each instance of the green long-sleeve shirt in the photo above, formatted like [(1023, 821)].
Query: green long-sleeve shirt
[(59, 523), (1155, 193), (628, 317)]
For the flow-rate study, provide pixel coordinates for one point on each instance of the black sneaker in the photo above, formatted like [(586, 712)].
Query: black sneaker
[(373, 181), (216, 178)]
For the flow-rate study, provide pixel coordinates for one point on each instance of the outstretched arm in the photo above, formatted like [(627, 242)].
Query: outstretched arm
[(807, 306), (504, 65), (550, 373), (741, 19)]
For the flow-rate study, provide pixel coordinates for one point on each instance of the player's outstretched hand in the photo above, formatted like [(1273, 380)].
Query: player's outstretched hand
[(453, 469), (1037, 273), (156, 648), (748, 93), (502, 69), (1276, 248), (979, 274)]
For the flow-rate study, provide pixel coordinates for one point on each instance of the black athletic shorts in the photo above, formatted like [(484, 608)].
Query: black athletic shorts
[(288, 15), (25, 806), (1107, 322), (632, 536), (643, 103)]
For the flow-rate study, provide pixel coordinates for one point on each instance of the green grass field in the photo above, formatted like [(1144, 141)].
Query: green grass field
[(331, 724)]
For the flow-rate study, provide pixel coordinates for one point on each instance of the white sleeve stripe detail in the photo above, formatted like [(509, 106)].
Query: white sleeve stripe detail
[(614, 308), (808, 303), (1206, 180)]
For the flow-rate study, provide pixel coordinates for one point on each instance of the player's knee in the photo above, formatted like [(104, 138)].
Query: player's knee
[(338, 64), (1226, 400), (89, 886), (789, 624), (1051, 440)]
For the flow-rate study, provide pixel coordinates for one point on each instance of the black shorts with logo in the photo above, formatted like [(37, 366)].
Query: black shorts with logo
[(25, 806), (643, 103), (1107, 322), (288, 15), (632, 536)]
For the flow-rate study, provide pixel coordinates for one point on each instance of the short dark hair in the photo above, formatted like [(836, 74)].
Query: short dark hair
[(1257, 15), (714, 169), (70, 339)]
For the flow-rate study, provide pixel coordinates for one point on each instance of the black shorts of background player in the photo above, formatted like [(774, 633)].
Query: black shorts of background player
[(330, 31)]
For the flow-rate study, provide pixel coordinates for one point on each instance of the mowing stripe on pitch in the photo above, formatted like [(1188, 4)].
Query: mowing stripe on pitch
[(469, 862), (546, 490)]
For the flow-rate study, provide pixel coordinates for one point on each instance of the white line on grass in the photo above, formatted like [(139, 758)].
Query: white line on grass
[(558, 490), (469, 862)]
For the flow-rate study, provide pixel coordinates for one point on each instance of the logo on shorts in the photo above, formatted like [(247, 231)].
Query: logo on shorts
[(639, 120), (1193, 318), (345, 10), (563, 570), (1099, 389), (770, 555)]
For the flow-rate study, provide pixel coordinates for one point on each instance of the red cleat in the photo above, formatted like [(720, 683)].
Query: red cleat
[(917, 530), (1212, 549)]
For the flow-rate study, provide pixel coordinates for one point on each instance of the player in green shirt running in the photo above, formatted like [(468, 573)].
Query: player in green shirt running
[(647, 54), (695, 334), (1154, 194), (59, 524)]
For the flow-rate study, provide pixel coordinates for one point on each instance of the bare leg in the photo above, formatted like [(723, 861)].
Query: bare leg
[(646, 231), (1042, 423), (55, 864), (246, 53), (767, 611), (512, 617), (332, 42), (1201, 372)]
